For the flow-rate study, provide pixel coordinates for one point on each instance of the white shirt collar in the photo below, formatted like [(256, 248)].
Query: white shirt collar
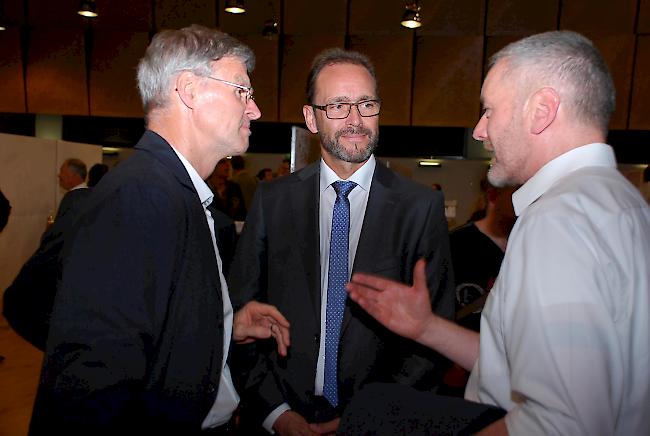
[(362, 176), (205, 193), (596, 154)]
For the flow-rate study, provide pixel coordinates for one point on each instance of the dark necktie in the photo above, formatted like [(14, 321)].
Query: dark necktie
[(336, 279)]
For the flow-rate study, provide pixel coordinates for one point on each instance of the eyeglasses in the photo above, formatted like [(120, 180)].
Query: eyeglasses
[(244, 91), (339, 111)]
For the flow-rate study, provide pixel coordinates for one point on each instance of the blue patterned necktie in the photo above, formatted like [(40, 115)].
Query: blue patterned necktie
[(336, 279)]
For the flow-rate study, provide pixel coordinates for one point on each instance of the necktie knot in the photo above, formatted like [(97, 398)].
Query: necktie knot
[(343, 188)]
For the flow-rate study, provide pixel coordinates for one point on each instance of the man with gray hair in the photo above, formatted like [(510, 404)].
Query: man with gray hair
[(72, 178), (142, 321), (564, 345)]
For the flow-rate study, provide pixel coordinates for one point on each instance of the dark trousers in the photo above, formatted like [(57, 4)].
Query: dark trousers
[(392, 409)]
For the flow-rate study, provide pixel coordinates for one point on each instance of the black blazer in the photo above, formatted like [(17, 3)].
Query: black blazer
[(136, 335), (71, 201), (277, 260)]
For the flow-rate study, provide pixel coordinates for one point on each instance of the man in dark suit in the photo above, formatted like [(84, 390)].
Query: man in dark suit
[(283, 257), (72, 178), (142, 321)]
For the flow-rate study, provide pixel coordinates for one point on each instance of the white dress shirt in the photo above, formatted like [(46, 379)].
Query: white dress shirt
[(358, 198), (227, 398), (565, 333)]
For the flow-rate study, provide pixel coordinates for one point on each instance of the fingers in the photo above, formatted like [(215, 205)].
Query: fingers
[(268, 311)]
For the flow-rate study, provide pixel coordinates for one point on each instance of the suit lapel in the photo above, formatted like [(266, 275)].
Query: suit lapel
[(305, 209), (380, 202)]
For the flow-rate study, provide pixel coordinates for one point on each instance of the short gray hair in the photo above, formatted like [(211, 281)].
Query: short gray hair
[(571, 64), (193, 49), (333, 56), (77, 166)]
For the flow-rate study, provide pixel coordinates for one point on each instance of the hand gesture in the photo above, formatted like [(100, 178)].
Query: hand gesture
[(261, 321)]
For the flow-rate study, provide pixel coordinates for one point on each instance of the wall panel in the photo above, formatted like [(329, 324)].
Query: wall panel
[(12, 84), (297, 56), (447, 81), (392, 57), (251, 22), (114, 60), (640, 106), (643, 24), (175, 14), (56, 72), (315, 18), (512, 17), (452, 17), (602, 17)]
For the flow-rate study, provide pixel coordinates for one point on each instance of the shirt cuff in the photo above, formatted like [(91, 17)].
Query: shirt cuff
[(273, 416)]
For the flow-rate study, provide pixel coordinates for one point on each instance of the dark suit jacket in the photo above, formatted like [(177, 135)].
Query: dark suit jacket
[(136, 335), (71, 201), (277, 260), (28, 300)]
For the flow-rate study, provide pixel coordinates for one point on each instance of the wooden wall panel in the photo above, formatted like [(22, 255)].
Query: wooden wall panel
[(392, 57), (640, 106), (643, 24), (15, 12), (266, 74), (452, 17), (376, 17), (447, 81), (251, 22), (175, 14), (618, 52), (12, 83), (133, 15), (298, 53), (603, 17), (56, 72), (512, 17), (113, 88), (315, 18)]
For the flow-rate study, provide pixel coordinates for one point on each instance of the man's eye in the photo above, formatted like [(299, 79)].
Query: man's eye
[(337, 106), (369, 104)]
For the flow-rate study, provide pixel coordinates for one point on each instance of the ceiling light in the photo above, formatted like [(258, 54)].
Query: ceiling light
[(411, 17), (235, 6), (87, 8), (429, 163)]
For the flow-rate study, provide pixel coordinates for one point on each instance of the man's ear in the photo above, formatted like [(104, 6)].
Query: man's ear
[(544, 105), (310, 118), (186, 87)]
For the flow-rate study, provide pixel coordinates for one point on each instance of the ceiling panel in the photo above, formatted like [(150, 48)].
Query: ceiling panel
[(603, 17), (56, 72), (447, 85), (12, 84), (377, 17), (134, 15), (392, 57), (114, 60), (297, 55), (512, 17), (60, 13), (643, 25), (640, 106)]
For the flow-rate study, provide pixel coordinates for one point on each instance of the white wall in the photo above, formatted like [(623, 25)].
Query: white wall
[(29, 180)]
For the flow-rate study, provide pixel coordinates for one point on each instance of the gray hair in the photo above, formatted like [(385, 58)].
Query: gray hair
[(77, 166), (193, 49), (570, 63), (333, 56)]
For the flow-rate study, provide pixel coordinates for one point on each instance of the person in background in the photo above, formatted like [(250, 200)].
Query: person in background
[(246, 181), (436, 187), (228, 194), (306, 231), (95, 174), (265, 174), (142, 320), (284, 168), (477, 250), (72, 178), (564, 345)]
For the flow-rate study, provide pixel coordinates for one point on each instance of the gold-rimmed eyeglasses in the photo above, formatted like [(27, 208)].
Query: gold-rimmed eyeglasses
[(339, 111), (244, 91)]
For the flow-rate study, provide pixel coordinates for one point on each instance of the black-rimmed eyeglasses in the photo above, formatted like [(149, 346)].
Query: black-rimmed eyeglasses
[(244, 91), (338, 111)]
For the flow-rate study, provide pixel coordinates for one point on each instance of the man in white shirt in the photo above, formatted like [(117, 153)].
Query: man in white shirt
[(564, 345)]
